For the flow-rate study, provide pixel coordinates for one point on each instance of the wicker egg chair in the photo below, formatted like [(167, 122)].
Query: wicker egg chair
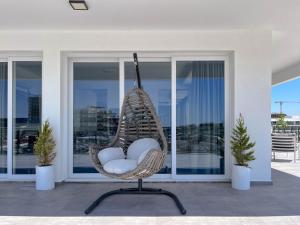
[(138, 120)]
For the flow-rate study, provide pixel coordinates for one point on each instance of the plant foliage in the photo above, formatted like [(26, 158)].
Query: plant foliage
[(281, 124), (44, 146), (241, 146)]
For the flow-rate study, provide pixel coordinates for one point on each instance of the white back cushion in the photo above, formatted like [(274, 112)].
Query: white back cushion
[(119, 166), (108, 154), (140, 146)]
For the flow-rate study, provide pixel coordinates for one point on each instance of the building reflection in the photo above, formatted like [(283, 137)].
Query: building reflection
[(26, 129), (94, 125)]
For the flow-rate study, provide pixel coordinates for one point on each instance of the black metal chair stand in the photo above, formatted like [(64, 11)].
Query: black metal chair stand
[(137, 191)]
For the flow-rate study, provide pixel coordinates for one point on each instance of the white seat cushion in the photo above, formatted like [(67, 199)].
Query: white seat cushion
[(119, 166), (141, 146), (108, 154)]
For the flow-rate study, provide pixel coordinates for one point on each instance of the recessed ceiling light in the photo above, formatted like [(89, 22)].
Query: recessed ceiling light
[(78, 4)]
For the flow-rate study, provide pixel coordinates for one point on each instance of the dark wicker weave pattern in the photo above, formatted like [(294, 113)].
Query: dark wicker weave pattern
[(138, 119)]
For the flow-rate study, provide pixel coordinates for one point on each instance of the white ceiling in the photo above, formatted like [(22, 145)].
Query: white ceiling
[(282, 16), (150, 14), (286, 49)]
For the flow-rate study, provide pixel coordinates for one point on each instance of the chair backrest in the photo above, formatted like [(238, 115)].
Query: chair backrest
[(138, 119), (283, 142)]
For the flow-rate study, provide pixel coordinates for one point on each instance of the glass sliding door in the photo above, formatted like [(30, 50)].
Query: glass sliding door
[(156, 80), (188, 94), (3, 117), (27, 100), (95, 109), (200, 117)]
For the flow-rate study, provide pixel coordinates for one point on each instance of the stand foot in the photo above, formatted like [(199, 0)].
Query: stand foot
[(136, 191)]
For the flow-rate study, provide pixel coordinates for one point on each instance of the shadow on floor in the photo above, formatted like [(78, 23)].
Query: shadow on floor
[(200, 199)]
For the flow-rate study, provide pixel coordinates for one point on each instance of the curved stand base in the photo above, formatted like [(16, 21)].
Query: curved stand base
[(135, 191)]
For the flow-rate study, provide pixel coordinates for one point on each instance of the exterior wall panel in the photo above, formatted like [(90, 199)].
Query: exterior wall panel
[(250, 74)]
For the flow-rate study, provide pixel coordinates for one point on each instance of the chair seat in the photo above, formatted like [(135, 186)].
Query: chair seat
[(113, 158), (120, 166)]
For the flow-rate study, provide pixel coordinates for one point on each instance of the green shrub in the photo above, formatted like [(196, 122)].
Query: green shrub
[(44, 146), (281, 124), (241, 146)]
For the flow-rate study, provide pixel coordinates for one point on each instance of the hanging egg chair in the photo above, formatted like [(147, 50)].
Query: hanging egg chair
[(139, 148)]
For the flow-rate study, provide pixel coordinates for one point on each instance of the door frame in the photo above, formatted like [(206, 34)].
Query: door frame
[(96, 176), (227, 121), (152, 57), (10, 115)]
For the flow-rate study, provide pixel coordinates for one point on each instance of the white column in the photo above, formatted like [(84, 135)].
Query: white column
[(51, 102), (252, 98)]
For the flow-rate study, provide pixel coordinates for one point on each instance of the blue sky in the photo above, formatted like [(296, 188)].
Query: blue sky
[(289, 91)]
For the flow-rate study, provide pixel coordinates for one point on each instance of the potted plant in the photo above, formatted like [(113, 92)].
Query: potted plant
[(241, 148), (44, 150)]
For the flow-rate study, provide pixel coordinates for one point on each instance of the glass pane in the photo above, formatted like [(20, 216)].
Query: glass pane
[(27, 100), (3, 117), (200, 117), (156, 81), (95, 109)]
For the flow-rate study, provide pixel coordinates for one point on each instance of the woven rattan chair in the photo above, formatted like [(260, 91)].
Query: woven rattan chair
[(138, 120)]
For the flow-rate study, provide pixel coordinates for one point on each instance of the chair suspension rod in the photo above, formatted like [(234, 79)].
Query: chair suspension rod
[(137, 70)]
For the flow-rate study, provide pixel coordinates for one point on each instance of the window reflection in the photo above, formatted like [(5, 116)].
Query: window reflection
[(27, 94), (95, 109), (200, 117), (156, 81), (3, 117)]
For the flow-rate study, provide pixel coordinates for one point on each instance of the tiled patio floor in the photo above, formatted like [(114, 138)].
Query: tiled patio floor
[(284, 162), (206, 203)]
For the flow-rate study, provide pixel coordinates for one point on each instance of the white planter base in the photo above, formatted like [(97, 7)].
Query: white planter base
[(44, 178), (240, 179)]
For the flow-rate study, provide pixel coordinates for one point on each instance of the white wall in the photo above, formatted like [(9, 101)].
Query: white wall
[(252, 69)]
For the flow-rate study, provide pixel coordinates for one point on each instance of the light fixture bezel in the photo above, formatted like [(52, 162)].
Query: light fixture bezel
[(71, 2)]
